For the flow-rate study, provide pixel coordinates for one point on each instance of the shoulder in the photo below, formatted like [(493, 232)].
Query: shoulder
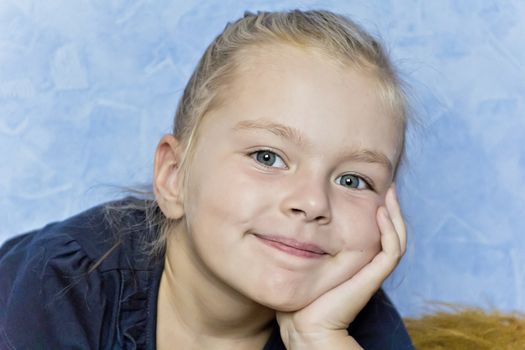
[(114, 227), (379, 325), (59, 285)]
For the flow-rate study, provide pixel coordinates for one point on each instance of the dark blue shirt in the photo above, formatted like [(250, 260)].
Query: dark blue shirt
[(86, 283)]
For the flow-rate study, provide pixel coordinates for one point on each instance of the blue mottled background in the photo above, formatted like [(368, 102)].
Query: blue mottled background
[(87, 88)]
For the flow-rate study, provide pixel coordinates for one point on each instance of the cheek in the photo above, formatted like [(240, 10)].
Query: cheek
[(359, 228), (225, 193)]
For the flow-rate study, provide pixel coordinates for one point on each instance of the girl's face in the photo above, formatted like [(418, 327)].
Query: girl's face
[(287, 177)]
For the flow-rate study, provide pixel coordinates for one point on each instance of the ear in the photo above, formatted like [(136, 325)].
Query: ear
[(167, 177)]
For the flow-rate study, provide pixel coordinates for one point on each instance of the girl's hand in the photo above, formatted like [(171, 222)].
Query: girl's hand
[(323, 323)]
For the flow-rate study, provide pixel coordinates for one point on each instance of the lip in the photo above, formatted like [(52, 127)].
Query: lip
[(292, 246)]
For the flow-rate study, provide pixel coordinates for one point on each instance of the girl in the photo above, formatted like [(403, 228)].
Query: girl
[(274, 219)]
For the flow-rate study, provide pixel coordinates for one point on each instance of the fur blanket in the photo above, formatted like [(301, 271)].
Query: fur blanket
[(467, 328)]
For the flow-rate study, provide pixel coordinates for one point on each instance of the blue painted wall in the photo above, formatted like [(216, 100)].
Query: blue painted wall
[(88, 87)]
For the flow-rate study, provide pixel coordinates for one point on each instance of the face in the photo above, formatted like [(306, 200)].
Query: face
[(287, 177)]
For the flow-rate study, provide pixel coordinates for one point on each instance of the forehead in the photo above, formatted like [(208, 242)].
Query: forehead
[(305, 89)]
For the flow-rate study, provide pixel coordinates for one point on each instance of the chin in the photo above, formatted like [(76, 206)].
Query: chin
[(288, 307), (284, 300), (285, 305)]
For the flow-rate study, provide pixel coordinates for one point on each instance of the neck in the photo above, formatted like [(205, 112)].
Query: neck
[(194, 306)]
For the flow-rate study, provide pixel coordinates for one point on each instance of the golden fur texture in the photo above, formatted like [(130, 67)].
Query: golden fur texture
[(467, 328)]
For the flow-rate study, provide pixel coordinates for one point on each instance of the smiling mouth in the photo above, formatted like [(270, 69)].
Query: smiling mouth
[(291, 246)]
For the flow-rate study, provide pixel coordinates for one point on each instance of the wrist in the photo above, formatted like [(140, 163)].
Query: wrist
[(320, 340)]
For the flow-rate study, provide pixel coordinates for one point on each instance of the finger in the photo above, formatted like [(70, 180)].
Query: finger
[(375, 272), (357, 291), (362, 286), (386, 260), (394, 210), (390, 241)]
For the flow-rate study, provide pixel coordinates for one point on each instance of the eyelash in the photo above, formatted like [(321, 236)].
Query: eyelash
[(368, 182)]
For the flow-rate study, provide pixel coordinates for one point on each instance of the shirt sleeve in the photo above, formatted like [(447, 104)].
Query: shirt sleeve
[(49, 298), (379, 326)]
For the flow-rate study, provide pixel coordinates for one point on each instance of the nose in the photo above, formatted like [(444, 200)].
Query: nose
[(308, 200)]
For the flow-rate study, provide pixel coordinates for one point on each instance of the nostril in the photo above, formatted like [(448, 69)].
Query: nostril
[(297, 211), (322, 219)]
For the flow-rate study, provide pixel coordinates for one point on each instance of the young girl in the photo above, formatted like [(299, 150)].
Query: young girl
[(274, 219)]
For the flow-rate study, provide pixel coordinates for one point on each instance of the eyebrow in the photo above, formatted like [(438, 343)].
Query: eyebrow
[(280, 130), (369, 156), (289, 133)]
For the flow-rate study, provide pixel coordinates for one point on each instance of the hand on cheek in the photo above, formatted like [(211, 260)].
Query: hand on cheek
[(323, 323)]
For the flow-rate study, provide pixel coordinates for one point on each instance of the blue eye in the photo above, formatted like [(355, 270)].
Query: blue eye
[(352, 181), (269, 159)]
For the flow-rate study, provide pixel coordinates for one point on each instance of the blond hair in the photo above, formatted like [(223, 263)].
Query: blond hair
[(333, 34)]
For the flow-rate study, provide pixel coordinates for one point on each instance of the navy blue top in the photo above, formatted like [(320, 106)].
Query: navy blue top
[(57, 293)]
